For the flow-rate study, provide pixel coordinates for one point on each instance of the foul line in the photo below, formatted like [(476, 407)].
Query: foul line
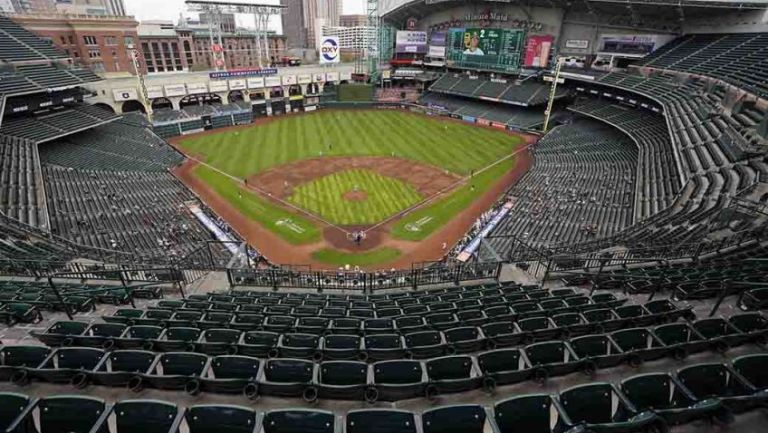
[(448, 188)]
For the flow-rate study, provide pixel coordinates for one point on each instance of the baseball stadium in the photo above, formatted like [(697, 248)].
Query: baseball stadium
[(438, 216)]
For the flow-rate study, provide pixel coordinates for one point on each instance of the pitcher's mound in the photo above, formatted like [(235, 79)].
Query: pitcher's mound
[(355, 195)]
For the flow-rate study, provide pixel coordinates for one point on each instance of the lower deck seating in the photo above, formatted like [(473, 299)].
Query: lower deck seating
[(21, 189), (581, 187)]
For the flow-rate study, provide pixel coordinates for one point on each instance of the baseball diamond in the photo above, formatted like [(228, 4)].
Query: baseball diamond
[(316, 180)]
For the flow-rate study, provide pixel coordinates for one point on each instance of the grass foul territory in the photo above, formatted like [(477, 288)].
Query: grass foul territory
[(366, 258)]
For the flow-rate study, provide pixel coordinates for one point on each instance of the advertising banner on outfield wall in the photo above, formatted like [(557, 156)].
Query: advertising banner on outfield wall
[(125, 94), (345, 76), (255, 83), (537, 50), (318, 78), (332, 76), (175, 90), (236, 84), (289, 80), (304, 79), (411, 42), (632, 45), (469, 119), (218, 86), (155, 92), (272, 81), (193, 88)]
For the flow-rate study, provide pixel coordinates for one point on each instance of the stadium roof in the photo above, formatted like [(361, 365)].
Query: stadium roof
[(401, 10)]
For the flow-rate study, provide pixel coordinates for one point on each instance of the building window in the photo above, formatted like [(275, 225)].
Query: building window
[(90, 40), (97, 66), (94, 54), (63, 40), (128, 40), (110, 40)]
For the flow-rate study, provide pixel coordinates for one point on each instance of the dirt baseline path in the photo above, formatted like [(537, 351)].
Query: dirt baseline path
[(279, 251)]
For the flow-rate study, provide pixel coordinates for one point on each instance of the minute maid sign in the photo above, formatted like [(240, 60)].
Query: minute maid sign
[(329, 50)]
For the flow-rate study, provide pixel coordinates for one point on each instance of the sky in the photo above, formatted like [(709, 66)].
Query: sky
[(170, 9)]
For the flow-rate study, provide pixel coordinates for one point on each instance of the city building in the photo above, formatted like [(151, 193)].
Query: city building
[(115, 7), (351, 37), (34, 6), (227, 23), (353, 20), (294, 24), (187, 47), (100, 42), (303, 20)]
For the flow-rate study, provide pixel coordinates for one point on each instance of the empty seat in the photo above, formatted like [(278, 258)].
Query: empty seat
[(287, 378), (399, 379), (218, 418), (380, 421), (299, 421), (502, 367), (533, 413), (468, 418), (451, 374), (719, 381), (345, 380), (600, 407), (63, 414), (232, 374), (146, 416)]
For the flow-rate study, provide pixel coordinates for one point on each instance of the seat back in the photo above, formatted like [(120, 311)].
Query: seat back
[(533, 413), (383, 341), (501, 360), (449, 367), (299, 421), (182, 334), (674, 333), (533, 323), (261, 338), (134, 361), (421, 339), (705, 380), (343, 373), (341, 341), (649, 391), (397, 372), (23, 356), (468, 418), (300, 340), (288, 370), (633, 339), (144, 332), (79, 358), (70, 413), (145, 416), (749, 322), (754, 368), (12, 405), (235, 367), (467, 333), (550, 352), (591, 346), (498, 328), (593, 403), (183, 364), (380, 421), (220, 418)]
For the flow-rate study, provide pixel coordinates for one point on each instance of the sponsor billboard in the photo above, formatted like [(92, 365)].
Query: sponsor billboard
[(438, 37), (289, 80), (155, 92), (255, 83), (436, 52), (537, 51), (345, 76), (330, 51), (332, 76), (175, 90), (243, 73), (580, 44), (125, 94), (272, 81), (487, 49), (193, 88), (218, 86), (411, 42), (638, 45), (318, 78), (304, 79), (236, 84)]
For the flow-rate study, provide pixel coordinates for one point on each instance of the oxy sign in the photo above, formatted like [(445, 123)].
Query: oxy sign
[(329, 50)]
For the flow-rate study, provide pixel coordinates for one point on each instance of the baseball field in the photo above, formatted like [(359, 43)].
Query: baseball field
[(370, 188)]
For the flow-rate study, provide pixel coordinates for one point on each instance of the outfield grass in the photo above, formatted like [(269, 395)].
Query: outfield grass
[(453, 146), (367, 258), (289, 226), (424, 221), (325, 197)]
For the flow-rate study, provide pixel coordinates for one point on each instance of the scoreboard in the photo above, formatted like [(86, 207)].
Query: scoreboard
[(487, 49)]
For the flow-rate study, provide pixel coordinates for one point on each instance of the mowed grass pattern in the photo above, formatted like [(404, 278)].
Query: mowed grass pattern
[(325, 197), (456, 147)]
